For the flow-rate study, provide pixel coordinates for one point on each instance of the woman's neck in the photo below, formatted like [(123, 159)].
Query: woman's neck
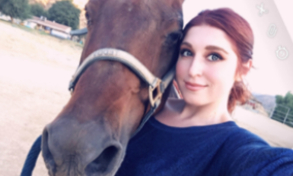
[(178, 113), (212, 113)]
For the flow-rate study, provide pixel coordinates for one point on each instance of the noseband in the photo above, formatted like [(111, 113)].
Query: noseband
[(156, 85)]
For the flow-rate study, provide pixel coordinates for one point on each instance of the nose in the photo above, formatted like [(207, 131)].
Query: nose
[(85, 149), (196, 67)]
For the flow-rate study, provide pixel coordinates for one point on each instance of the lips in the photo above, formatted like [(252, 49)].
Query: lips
[(194, 86)]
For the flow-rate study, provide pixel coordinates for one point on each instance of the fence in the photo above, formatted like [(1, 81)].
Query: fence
[(282, 114)]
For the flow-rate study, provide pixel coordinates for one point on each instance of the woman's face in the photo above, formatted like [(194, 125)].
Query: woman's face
[(206, 68)]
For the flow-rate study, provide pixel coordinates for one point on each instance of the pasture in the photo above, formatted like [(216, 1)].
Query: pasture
[(35, 70)]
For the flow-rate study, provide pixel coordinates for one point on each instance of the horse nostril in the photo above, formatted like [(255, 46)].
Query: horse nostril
[(105, 162), (47, 155)]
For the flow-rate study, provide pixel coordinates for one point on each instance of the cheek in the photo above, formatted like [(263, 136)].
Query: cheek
[(180, 73), (223, 77), (180, 70)]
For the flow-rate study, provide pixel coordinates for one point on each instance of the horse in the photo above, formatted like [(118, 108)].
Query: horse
[(135, 42)]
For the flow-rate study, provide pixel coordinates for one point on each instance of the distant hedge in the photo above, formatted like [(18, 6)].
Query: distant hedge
[(15, 9), (64, 12)]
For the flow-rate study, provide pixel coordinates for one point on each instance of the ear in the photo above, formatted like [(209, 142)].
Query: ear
[(245, 68)]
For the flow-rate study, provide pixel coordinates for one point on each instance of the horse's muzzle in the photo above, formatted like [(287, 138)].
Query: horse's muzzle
[(80, 150)]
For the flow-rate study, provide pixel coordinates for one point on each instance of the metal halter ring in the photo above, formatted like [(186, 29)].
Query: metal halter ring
[(155, 93)]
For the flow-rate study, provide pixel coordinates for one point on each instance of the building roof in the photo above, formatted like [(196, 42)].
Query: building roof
[(51, 24)]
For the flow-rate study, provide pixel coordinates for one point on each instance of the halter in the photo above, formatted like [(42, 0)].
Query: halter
[(156, 85)]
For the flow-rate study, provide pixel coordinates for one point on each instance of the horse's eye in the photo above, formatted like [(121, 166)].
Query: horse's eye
[(174, 37), (88, 19), (87, 16)]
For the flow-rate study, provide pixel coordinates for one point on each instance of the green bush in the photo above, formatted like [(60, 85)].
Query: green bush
[(284, 109), (64, 12), (38, 10), (15, 9)]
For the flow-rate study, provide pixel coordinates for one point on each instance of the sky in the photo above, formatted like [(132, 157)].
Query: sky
[(273, 52)]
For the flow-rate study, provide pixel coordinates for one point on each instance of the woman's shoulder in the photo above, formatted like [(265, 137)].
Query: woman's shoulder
[(243, 137), (251, 155)]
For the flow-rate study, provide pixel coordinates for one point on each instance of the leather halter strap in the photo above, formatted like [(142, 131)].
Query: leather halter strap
[(157, 86)]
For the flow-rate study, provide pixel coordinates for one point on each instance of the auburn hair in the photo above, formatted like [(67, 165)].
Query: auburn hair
[(240, 32)]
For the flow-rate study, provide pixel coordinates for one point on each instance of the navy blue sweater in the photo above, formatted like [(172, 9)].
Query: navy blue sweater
[(221, 149)]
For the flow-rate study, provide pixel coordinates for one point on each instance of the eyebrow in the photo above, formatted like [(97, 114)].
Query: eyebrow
[(216, 48), (211, 47), (186, 43)]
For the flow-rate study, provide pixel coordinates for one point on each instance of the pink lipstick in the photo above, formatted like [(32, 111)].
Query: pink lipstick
[(194, 86)]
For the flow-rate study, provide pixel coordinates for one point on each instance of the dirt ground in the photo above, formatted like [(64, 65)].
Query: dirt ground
[(35, 70)]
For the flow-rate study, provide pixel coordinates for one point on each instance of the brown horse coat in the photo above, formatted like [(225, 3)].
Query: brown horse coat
[(90, 135)]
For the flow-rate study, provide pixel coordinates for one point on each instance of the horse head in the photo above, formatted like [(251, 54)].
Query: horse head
[(89, 136)]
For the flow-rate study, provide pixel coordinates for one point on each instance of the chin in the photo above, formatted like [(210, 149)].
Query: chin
[(195, 100)]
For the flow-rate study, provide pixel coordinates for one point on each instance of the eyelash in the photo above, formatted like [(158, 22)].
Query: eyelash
[(182, 51), (182, 54), (215, 54)]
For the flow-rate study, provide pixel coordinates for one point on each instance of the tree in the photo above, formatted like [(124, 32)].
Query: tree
[(15, 9), (64, 12), (284, 108), (38, 10)]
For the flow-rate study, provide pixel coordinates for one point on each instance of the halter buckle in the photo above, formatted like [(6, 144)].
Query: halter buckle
[(155, 93)]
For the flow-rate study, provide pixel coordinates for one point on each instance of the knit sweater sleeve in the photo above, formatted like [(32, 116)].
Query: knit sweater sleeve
[(250, 155)]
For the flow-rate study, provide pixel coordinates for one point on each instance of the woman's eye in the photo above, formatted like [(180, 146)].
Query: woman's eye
[(185, 53), (214, 57)]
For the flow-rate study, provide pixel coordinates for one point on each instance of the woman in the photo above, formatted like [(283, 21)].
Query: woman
[(196, 135)]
